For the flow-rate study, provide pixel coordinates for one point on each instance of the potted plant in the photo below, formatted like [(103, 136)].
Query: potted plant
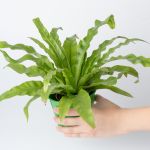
[(69, 78)]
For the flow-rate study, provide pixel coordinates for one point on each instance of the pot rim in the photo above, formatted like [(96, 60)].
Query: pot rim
[(52, 99)]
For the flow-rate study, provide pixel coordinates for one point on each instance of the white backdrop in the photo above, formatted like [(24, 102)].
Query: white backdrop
[(132, 19)]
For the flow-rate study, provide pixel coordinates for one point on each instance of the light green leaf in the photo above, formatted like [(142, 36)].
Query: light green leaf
[(112, 50), (39, 43), (28, 49), (112, 88), (82, 104), (85, 43), (26, 108), (64, 106), (70, 48), (57, 47), (123, 70), (55, 35), (69, 78), (55, 51), (54, 88), (46, 83), (42, 30), (42, 61), (96, 55), (19, 68), (109, 81), (47, 79), (131, 58), (7, 57), (85, 78), (46, 50), (110, 21), (31, 71), (27, 88)]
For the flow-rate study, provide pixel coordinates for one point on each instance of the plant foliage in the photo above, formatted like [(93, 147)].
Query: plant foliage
[(67, 70)]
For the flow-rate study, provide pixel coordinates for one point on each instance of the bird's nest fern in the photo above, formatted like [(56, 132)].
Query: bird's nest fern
[(67, 70)]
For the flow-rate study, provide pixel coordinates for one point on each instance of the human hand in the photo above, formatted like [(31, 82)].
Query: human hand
[(107, 119)]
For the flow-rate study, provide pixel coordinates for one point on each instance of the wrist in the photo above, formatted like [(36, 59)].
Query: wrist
[(134, 119)]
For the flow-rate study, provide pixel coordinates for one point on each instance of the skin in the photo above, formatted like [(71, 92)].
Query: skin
[(110, 119)]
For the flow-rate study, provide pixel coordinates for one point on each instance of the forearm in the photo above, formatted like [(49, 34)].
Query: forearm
[(137, 119)]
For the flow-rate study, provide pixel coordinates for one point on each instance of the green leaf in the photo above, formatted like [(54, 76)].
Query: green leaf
[(47, 79), (69, 78), (28, 49), (54, 49), (96, 54), (46, 82), (85, 43), (7, 57), (86, 77), (64, 106), (112, 50), (57, 47), (55, 88), (70, 48), (59, 76), (112, 88), (27, 88), (19, 68), (26, 108), (110, 21), (109, 81), (42, 62), (42, 30), (82, 104), (123, 70), (31, 71), (55, 36), (131, 58), (46, 50)]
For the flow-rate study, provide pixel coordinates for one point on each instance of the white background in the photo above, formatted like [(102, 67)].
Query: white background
[(132, 19)]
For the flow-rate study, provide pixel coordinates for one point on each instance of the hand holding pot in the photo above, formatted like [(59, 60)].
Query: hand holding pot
[(106, 116)]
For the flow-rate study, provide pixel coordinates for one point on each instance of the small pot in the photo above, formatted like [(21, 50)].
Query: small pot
[(54, 100)]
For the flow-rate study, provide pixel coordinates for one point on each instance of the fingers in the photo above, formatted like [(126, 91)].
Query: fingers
[(72, 135), (71, 112), (69, 130), (77, 131), (85, 135), (69, 121)]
